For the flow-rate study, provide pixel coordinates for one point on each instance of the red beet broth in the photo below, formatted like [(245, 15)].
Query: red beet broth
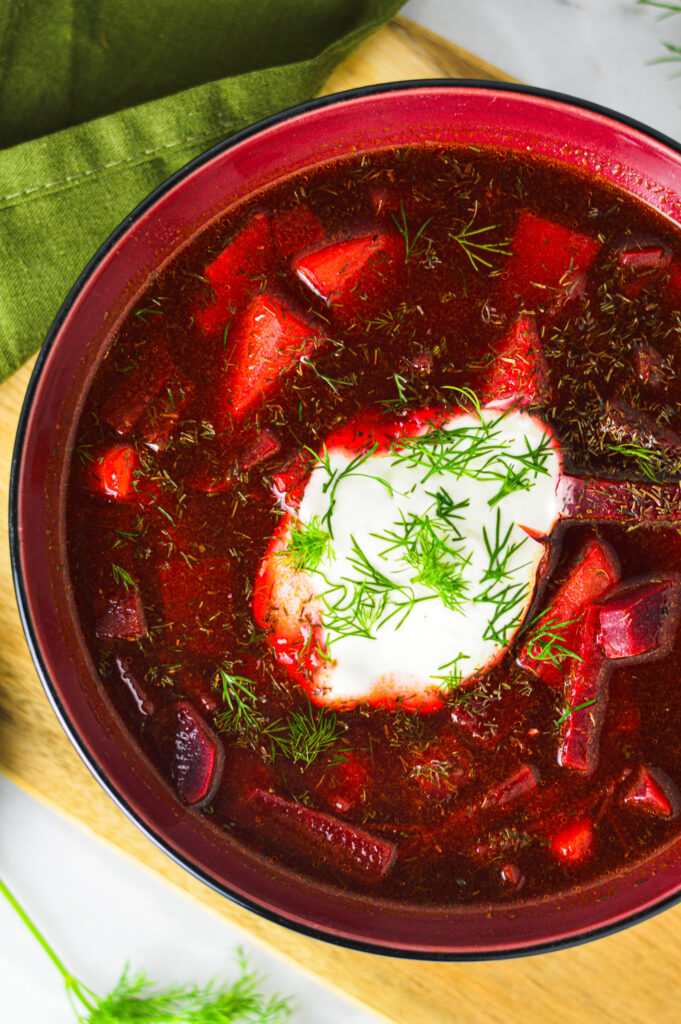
[(468, 802)]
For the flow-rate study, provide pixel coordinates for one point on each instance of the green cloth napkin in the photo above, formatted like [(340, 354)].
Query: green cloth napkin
[(100, 100)]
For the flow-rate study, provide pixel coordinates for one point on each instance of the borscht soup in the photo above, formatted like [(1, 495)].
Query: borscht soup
[(373, 525)]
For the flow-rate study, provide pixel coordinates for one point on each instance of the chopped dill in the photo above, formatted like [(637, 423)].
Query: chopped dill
[(308, 546), (578, 707), (403, 229), (477, 244), (301, 737), (547, 642), (122, 575)]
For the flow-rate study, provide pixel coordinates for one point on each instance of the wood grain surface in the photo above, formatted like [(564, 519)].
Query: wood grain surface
[(629, 978)]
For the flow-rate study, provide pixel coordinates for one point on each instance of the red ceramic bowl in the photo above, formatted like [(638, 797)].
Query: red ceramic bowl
[(605, 145)]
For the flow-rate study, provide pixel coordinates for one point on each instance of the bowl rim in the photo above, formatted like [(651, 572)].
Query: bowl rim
[(15, 543)]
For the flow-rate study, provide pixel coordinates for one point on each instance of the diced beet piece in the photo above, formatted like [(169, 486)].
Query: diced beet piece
[(120, 615), (157, 424), (263, 446), (196, 601), (343, 786), (354, 277), (296, 229), (232, 273), (519, 371), (617, 501), (644, 264), (641, 620), (192, 751), (512, 876), (573, 843), (650, 366), (320, 838), (587, 684), (652, 257), (139, 386), (516, 786), (111, 472), (132, 680), (547, 264), (595, 571), (653, 792), (269, 341)]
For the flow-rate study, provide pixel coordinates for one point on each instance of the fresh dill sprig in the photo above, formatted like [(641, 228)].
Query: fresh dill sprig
[(434, 546), (134, 998), (309, 734), (452, 679), (477, 244), (403, 229), (405, 392), (122, 575), (333, 382), (308, 546), (577, 707), (646, 459), (547, 642), (335, 476), (506, 597), (302, 736)]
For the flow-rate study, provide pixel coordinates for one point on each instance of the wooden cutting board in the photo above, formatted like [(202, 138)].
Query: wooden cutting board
[(629, 977)]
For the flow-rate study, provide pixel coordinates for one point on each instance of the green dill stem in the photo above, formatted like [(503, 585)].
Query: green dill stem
[(577, 707), (72, 983)]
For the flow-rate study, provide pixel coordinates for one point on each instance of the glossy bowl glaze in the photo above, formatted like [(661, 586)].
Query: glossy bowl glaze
[(606, 146)]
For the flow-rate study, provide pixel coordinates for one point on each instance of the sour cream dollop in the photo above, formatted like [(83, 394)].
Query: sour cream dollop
[(407, 568)]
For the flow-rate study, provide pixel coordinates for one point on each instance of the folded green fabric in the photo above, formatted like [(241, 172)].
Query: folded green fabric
[(100, 100)]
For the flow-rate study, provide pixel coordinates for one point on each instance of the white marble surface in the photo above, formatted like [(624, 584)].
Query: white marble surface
[(97, 908)]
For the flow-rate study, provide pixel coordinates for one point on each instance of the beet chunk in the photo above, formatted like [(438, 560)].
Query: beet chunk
[(617, 501), (120, 615), (572, 844), (592, 575), (587, 685), (192, 751), (343, 848), (519, 371), (515, 787), (642, 620), (652, 792), (138, 387), (111, 474)]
